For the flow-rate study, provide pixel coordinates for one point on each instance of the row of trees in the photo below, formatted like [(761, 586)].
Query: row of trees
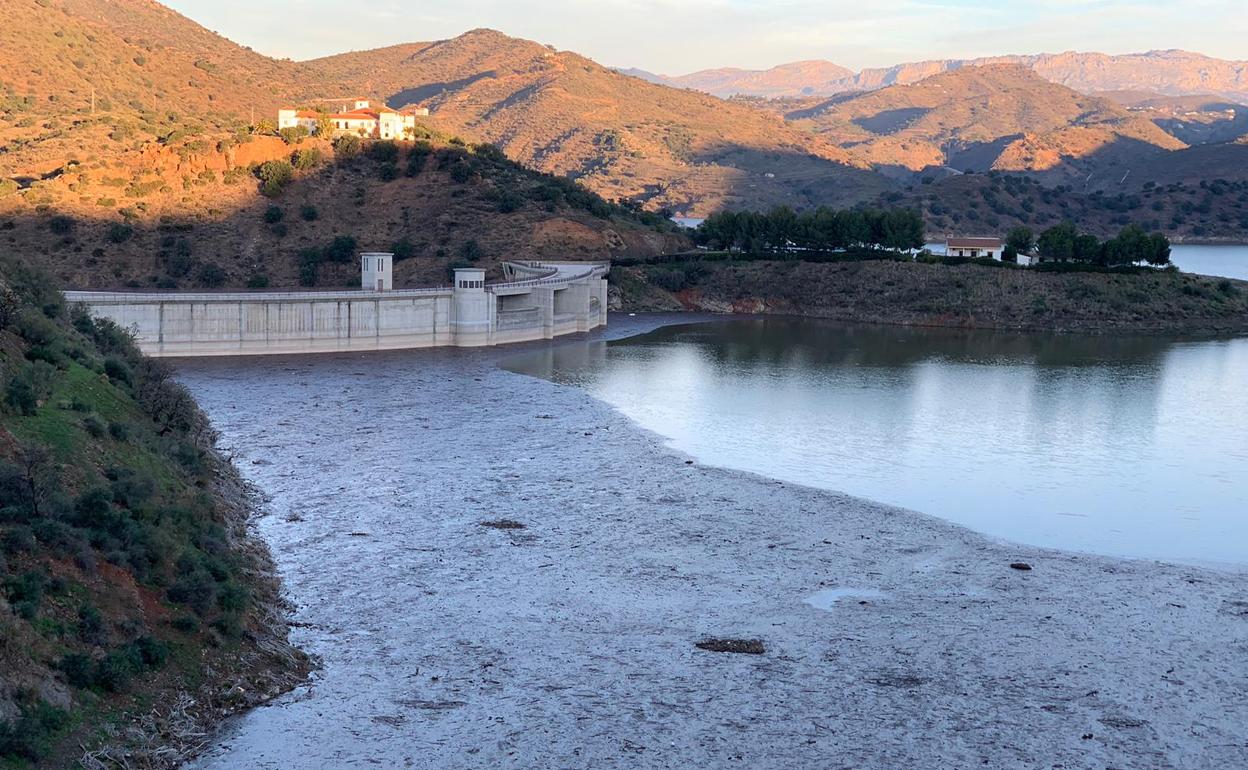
[(822, 229), (1064, 243)]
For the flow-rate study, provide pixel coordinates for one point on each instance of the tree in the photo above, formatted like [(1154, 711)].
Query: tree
[(1058, 242), (324, 126), (1021, 239)]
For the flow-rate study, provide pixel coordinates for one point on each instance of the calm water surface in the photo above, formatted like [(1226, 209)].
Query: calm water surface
[(1225, 261), (1126, 446)]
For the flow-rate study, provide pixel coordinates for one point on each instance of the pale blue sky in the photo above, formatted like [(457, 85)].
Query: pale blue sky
[(676, 36)]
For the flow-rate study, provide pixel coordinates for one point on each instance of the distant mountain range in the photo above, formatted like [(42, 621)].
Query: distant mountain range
[(1172, 73), (99, 97)]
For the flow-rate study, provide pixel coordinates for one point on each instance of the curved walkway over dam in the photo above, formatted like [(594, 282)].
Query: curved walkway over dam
[(539, 300)]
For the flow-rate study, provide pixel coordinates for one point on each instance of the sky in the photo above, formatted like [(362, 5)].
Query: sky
[(677, 36)]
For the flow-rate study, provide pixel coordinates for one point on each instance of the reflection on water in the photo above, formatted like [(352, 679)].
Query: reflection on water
[(1129, 446)]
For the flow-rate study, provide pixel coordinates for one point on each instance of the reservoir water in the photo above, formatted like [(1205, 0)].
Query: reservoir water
[(1124, 446)]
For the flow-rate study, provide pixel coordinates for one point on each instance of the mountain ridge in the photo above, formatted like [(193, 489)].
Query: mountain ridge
[(1171, 72)]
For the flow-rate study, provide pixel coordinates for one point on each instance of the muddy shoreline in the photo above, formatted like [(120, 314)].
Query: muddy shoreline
[(571, 642)]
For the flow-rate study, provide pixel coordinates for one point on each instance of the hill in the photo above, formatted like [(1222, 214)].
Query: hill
[(621, 136), (1173, 73), (998, 117), (135, 609), (192, 213), (806, 78)]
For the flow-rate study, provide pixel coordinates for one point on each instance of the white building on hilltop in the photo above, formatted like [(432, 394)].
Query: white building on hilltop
[(360, 118)]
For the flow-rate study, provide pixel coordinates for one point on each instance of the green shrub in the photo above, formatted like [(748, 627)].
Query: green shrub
[(275, 176), (119, 431), (307, 158), (29, 738), (309, 213), (210, 275), (274, 214), (94, 426), (341, 250), (117, 370), (347, 146), (120, 233), (79, 670), (258, 281), (61, 225), (384, 152), (294, 134), (403, 249)]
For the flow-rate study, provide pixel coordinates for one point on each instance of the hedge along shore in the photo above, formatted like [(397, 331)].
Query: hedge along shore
[(572, 641)]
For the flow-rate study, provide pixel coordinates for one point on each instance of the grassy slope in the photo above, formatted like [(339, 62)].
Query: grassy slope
[(969, 295), (127, 578)]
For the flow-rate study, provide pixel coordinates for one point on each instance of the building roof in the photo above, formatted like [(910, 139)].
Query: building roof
[(974, 243)]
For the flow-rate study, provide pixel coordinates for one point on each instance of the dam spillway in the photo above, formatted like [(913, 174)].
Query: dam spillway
[(539, 300)]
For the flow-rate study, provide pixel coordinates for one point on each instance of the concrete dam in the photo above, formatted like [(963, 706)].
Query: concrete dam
[(538, 300)]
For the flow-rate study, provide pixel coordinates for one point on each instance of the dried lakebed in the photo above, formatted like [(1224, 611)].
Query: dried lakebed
[(569, 642)]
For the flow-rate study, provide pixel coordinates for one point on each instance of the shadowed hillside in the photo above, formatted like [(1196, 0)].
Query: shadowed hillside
[(619, 135)]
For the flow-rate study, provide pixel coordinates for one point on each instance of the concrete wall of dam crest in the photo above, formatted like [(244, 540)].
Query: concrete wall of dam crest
[(539, 300)]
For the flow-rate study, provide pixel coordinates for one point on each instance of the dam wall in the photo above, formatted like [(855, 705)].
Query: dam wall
[(539, 301)]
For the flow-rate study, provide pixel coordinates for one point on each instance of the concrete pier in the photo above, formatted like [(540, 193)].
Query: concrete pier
[(538, 301)]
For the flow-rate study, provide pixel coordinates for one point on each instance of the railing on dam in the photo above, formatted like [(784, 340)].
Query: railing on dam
[(311, 295)]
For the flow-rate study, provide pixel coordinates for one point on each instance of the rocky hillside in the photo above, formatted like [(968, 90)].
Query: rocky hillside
[(135, 609), (1163, 72), (1001, 117), (619, 135)]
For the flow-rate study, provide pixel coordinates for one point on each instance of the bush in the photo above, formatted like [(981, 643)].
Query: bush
[(274, 214), (341, 249), (403, 249), (388, 172), (309, 213), (294, 134), (384, 152), (29, 738), (61, 225), (94, 426), (275, 176), (117, 370), (210, 275), (258, 281), (79, 670), (471, 250), (120, 233), (347, 146), (307, 159), (119, 431), (17, 540)]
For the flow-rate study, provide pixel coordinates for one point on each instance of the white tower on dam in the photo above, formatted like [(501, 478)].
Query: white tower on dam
[(539, 300), (377, 271)]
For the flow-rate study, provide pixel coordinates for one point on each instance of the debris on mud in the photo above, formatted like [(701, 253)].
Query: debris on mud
[(1021, 565), (742, 646), (503, 524)]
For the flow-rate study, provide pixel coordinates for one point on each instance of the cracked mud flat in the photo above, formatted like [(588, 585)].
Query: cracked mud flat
[(570, 643)]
